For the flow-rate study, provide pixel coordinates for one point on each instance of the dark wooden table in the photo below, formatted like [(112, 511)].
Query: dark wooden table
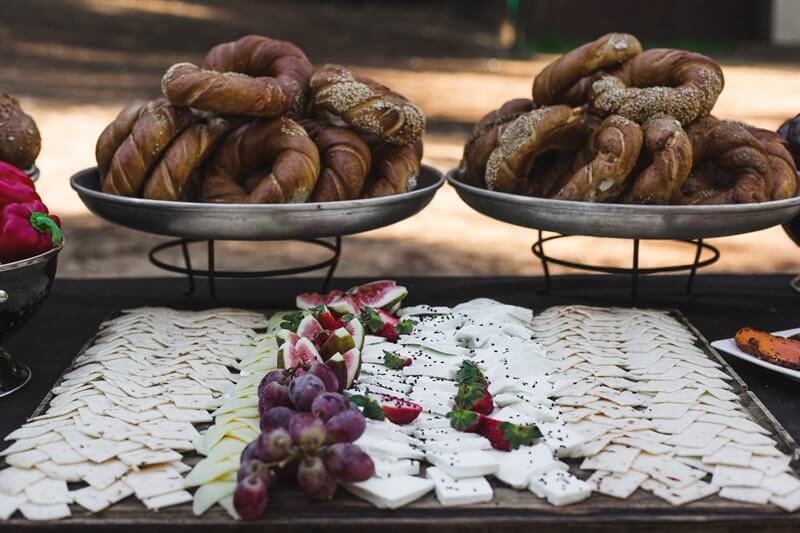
[(722, 304)]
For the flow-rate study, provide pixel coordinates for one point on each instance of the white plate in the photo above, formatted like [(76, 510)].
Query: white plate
[(729, 346)]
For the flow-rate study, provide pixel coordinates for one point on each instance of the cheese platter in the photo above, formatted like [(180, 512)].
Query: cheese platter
[(588, 408)]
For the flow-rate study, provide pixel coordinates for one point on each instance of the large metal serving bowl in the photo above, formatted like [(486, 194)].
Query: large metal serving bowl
[(259, 222), (628, 221), (23, 287)]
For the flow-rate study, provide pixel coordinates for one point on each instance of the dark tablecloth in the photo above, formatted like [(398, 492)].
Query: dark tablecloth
[(722, 304)]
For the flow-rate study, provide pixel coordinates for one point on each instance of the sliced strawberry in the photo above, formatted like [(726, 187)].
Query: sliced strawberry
[(466, 421), (389, 333), (473, 397), (398, 410), (395, 362), (326, 318), (470, 373), (507, 436)]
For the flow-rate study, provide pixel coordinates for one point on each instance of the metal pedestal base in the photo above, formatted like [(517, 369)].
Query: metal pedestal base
[(211, 273), (635, 271), (13, 374)]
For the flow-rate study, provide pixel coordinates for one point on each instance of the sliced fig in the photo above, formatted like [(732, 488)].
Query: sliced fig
[(356, 329), (339, 367), (352, 359), (384, 294), (287, 335), (310, 300), (387, 317), (302, 354), (309, 327), (339, 341), (345, 304)]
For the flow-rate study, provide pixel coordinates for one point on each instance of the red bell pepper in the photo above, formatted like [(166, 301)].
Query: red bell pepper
[(26, 230), (15, 186)]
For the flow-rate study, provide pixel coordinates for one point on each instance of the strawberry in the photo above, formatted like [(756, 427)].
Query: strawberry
[(398, 410), (389, 333), (470, 373), (395, 362), (466, 421), (473, 397), (326, 318), (507, 436)]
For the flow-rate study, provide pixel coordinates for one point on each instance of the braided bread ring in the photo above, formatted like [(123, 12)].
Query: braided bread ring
[(615, 146), (671, 151), (730, 165), (345, 158), (678, 83), (541, 130), (115, 133), (564, 81), (484, 138), (367, 105), (784, 171), (170, 179), (255, 55), (395, 170), (158, 123), (264, 161)]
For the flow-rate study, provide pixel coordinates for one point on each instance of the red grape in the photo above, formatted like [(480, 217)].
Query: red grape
[(346, 426), (277, 417), (254, 467), (273, 395), (328, 404), (315, 480), (250, 497), (273, 444), (307, 431), (348, 462), (303, 390), (327, 376), (280, 376), (248, 452)]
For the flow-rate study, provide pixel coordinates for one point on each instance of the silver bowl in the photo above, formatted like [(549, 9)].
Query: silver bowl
[(627, 221), (256, 222), (23, 287)]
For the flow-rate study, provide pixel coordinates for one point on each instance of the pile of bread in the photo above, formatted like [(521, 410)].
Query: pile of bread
[(20, 141), (257, 124), (609, 122)]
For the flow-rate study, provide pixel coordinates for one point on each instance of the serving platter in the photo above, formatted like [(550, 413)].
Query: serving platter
[(729, 347), (290, 509), (625, 220), (262, 222)]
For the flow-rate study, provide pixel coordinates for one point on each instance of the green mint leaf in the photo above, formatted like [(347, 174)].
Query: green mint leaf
[(292, 320)]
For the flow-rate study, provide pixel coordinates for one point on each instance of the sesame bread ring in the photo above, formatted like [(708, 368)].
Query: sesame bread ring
[(367, 105), (345, 162), (158, 124), (678, 83), (615, 147), (115, 133), (730, 165), (554, 128), (484, 138), (395, 169), (254, 76), (173, 176), (670, 151), (266, 161), (784, 171), (566, 80)]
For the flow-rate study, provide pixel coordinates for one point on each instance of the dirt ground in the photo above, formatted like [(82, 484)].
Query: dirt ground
[(74, 63)]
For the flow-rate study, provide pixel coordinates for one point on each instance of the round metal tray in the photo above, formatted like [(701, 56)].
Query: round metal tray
[(256, 222), (625, 221)]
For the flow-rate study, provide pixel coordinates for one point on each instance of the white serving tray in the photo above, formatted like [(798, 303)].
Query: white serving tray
[(729, 346)]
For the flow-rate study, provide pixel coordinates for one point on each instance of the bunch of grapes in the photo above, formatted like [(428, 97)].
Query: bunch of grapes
[(307, 431)]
